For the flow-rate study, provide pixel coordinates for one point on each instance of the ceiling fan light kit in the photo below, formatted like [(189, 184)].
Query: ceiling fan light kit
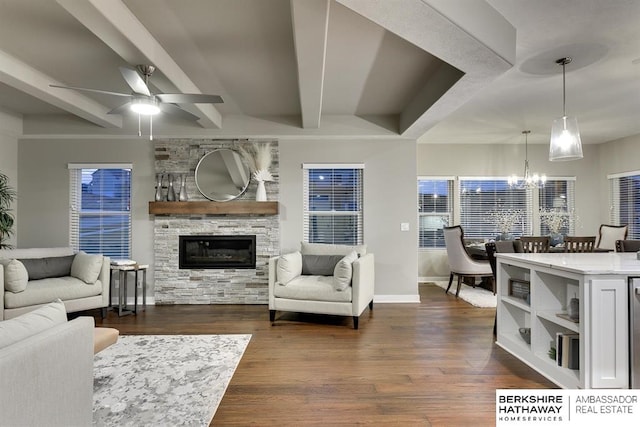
[(146, 106), (565, 143)]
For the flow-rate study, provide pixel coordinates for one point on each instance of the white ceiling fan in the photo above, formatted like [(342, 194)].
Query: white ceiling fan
[(144, 102)]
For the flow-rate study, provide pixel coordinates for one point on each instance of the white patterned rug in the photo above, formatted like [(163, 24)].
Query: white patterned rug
[(478, 297), (164, 380)]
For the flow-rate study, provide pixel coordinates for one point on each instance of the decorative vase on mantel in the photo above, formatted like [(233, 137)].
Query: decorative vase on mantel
[(261, 176), (182, 194), (159, 197), (171, 192), (261, 192)]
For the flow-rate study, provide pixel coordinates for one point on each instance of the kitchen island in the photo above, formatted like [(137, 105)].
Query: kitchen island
[(589, 350)]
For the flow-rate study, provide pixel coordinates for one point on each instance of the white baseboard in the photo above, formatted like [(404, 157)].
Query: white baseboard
[(433, 279), (403, 299)]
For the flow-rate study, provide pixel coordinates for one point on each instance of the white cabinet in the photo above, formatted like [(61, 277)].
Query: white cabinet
[(602, 329)]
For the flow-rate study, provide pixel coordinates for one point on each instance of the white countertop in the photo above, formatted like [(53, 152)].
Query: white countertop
[(625, 263)]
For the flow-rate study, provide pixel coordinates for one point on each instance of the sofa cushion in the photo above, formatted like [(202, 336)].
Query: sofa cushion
[(343, 272), (41, 268), (330, 249), (15, 275), (319, 265), (312, 288), (86, 267), (289, 267), (44, 291), (29, 324)]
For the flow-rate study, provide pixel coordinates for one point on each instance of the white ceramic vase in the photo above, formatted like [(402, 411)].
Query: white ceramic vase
[(261, 192)]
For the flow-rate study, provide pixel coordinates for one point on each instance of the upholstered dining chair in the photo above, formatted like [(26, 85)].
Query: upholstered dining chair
[(608, 234), (627, 245), (579, 243), (460, 262), (535, 244)]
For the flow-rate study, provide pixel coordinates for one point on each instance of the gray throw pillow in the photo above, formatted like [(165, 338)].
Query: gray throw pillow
[(43, 268), (319, 265)]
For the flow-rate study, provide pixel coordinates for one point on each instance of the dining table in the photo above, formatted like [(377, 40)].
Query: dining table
[(477, 250)]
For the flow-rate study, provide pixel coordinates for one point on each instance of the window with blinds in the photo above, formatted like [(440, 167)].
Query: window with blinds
[(333, 203), (624, 197), (480, 197), (100, 209), (558, 196), (435, 210)]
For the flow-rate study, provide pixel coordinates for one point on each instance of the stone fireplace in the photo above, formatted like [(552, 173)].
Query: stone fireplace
[(201, 284)]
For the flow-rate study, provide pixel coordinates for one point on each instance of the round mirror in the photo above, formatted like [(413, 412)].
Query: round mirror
[(222, 175)]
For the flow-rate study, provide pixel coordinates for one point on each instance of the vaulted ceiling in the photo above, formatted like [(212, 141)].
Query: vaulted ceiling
[(434, 70)]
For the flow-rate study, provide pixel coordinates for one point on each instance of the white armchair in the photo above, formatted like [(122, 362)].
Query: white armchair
[(322, 279)]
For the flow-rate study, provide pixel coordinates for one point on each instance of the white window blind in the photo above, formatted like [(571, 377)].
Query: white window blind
[(624, 197), (481, 196), (333, 203), (558, 195), (435, 210), (100, 209)]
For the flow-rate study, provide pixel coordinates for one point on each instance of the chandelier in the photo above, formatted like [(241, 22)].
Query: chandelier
[(529, 180)]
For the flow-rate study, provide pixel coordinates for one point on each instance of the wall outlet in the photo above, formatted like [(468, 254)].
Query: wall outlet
[(404, 226)]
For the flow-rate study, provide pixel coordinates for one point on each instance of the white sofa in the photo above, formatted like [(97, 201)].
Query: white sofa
[(323, 279), (30, 278), (46, 366)]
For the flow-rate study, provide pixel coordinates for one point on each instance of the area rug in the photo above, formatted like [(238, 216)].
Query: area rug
[(164, 380), (478, 297)]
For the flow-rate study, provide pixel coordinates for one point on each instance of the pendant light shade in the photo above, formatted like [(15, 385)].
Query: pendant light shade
[(565, 143), (565, 140)]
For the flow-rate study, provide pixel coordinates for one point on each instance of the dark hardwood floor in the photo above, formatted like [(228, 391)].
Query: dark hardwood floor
[(430, 364)]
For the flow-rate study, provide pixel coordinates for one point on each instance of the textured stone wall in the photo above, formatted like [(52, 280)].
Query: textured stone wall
[(210, 286)]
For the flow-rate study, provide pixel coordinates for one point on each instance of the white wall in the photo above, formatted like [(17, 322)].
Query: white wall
[(389, 185), (44, 189), (10, 129), (390, 199), (505, 160)]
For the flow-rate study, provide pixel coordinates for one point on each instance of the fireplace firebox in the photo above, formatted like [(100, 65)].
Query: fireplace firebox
[(217, 252)]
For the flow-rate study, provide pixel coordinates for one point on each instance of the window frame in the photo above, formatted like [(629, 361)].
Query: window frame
[(448, 214), (76, 214), (308, 212)]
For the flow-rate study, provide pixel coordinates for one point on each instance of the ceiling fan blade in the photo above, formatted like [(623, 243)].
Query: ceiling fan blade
[(135, 81), (84, 89), (121, 109), (177, 111), (189, 98)]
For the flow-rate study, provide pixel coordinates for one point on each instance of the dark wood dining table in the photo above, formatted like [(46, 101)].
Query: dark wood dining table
[(478, 251)]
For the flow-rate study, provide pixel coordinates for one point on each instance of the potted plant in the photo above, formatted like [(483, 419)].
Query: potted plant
[(7, 196)]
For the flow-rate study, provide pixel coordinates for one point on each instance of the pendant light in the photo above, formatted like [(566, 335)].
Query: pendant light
[(529, 180), (565, 141)]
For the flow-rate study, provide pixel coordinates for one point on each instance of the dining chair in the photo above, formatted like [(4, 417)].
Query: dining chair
[(535, 244), (460, 262), (627, 245), (579, 243), (608, 234)]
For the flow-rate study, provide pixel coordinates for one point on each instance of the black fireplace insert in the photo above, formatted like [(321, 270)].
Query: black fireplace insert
[(217, 252)]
